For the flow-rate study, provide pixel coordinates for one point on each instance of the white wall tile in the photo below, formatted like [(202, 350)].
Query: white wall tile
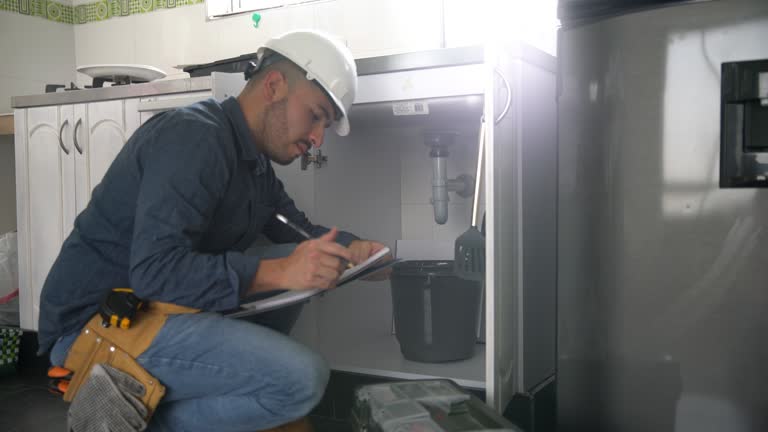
[(174, 37), (34, 52), (36, 49), (238, 36), (360, 184), (110, 41), (417, 170), (10, 87), (182, 35), (301, 16), (299, 185), (397, 25), (416, 167), (417, 221), (328, 18), (458, 222), (463, 160)]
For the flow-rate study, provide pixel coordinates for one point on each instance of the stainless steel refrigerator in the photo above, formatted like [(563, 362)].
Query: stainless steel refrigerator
[(663, 216)]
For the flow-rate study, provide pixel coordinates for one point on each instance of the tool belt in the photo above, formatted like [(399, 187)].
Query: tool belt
[(119, 348)]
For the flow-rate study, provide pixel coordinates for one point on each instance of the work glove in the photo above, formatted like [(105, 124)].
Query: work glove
[(108, 401)]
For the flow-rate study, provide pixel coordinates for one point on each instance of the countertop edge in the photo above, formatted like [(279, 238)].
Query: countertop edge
[(180, 85)]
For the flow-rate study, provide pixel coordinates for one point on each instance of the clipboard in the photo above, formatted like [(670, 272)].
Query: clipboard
[(373, 264)]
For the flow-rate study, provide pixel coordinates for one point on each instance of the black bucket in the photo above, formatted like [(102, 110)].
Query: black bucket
[(435, 311)]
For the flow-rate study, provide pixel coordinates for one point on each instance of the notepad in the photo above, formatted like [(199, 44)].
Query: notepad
[(373, 264), (366, 267)]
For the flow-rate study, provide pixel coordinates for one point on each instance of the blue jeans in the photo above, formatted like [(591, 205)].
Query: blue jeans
[(223, 374), (226, 375)]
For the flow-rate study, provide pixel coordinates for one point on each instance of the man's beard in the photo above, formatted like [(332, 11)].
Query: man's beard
[(275, 132)]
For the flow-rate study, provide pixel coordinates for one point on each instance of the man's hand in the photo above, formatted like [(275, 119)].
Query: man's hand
[(315, 263), (362, 249)]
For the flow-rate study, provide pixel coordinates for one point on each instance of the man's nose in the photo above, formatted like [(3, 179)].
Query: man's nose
[(316, 136)]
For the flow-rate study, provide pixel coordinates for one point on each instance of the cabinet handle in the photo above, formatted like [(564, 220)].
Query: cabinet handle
[(509, 96), (61, 133), (74, 136)]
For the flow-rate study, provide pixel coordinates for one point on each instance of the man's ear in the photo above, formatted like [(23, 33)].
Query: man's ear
[(274, 86)]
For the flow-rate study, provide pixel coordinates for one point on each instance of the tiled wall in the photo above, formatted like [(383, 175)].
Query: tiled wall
[(418, 218), (85, 11), (182, 35), (33, 52), (172, 37), (176, 32), (58, 11)]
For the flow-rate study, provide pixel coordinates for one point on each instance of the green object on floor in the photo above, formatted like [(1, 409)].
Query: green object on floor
[(10, 337), (256, 18)]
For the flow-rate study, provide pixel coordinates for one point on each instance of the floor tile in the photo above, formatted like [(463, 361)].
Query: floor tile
[(27, 406)]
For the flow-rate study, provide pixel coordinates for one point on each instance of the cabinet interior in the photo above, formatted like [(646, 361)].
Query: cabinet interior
[(377, 183)]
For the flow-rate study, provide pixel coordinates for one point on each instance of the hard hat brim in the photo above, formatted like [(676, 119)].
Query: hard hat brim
[(342, 126)]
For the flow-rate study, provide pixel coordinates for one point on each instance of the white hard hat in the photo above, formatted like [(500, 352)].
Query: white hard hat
[(327, 61)]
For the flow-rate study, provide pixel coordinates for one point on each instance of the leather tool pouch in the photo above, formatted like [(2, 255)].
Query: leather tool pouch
[(120, 348)]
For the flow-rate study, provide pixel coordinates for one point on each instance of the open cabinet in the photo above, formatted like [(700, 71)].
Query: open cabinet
[(377, 183)]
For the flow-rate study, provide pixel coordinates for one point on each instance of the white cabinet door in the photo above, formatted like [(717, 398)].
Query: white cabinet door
[(102, 130), (503, 266), (62, 153), (45, 198), (521, 223)]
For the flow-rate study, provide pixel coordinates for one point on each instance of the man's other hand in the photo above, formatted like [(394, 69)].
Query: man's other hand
[(362, 249)]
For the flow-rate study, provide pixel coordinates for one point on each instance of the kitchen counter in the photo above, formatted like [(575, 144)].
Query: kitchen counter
[(366, 66), (6, 124), (181, 85)]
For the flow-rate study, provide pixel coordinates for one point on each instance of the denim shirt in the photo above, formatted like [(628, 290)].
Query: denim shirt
[(186, 195)]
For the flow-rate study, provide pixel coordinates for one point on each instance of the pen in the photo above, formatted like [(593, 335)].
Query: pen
[(299, 230), (295, 227)]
